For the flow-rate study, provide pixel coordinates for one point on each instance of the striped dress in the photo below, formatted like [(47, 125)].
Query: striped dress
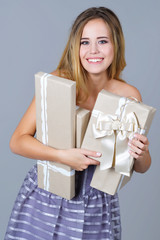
[(40, 215)]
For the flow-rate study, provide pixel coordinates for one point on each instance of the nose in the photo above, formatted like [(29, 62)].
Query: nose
[(94, 48)]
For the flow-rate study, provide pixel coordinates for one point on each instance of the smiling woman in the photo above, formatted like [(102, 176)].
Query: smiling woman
[(94, 58)]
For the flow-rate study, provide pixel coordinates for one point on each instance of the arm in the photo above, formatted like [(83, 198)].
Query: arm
[(139, 145), (23, 143)]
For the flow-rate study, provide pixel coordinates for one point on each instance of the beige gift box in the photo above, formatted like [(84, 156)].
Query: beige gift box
[(113, 121), (59, 125), (55, 126), (82, 119)]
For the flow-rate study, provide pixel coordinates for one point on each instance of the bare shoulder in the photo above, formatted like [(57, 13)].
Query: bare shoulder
[(55, 73), (127, 90), (60, 73)]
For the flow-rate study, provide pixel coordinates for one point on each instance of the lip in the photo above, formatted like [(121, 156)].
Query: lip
[(95, 62)]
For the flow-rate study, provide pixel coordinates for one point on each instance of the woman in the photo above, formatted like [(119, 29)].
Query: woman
[(94, 58)]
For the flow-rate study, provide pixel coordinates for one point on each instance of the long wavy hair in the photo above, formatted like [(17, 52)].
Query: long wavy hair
[(70, 66)]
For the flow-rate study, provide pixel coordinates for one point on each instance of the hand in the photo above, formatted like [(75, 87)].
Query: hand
[(78, 159), (139, 149)]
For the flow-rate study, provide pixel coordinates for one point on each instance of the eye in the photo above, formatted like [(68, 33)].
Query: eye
[(84, 42), (103, 41)]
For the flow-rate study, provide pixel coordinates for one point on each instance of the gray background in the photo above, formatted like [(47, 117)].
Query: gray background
[(32, 37)]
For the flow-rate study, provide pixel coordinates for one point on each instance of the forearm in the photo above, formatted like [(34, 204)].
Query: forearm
[(142, 166), (30, 147)]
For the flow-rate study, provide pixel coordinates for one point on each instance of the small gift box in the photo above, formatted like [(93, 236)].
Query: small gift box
[(82, 119), (113, 121), (55, 126)]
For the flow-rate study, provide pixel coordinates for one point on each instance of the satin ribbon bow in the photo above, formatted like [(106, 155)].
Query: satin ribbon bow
[(114, 134)]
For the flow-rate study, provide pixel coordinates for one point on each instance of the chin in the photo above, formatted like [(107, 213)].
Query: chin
[(95, 69), (96, 72)]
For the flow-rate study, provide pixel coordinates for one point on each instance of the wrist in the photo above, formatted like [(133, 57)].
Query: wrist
[(142, 165), (60, 156)]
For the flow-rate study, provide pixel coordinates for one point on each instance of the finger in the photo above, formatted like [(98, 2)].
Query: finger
[(136, 143), (91, 153), (134, 154), (136, 149), (92, 161), (79, 169), (141, 138)]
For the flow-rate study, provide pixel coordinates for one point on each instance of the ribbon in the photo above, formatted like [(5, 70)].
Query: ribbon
[(114, 131)]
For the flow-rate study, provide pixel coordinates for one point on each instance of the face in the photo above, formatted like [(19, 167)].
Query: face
[(96, 49)]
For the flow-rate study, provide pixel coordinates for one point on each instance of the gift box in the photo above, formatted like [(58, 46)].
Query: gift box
[(55, 127), (113, 121), (109, 181), (82, 119)]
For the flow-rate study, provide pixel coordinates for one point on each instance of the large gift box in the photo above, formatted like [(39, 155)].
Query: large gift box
[(113, 121), (55, 127), (59, 124)]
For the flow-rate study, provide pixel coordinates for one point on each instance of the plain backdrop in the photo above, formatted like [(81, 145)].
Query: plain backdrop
[(33, 35)]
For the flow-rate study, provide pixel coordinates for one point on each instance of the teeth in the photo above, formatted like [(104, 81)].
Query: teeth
[(95, 60)]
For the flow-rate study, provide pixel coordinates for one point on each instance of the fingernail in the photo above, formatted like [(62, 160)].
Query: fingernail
[(131, 137), (98, 154), (129, 143), (135, 135)]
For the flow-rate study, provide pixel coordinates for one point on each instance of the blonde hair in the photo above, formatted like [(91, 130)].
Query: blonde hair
[(70, 65)]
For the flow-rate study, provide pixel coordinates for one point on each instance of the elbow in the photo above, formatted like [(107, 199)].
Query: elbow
[(13, 144)]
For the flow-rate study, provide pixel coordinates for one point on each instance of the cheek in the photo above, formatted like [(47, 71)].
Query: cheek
[(111, 55), (108, 52), (82, 53)]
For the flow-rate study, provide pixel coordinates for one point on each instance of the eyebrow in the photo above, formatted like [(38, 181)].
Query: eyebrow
[(97, 38)]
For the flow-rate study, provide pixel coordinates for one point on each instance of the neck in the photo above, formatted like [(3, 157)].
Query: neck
[(96, 83)]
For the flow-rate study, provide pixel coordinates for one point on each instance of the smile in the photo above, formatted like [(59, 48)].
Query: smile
[(95, 60)]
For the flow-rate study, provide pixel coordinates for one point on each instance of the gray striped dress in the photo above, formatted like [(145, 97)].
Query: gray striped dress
[(40, 215)]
